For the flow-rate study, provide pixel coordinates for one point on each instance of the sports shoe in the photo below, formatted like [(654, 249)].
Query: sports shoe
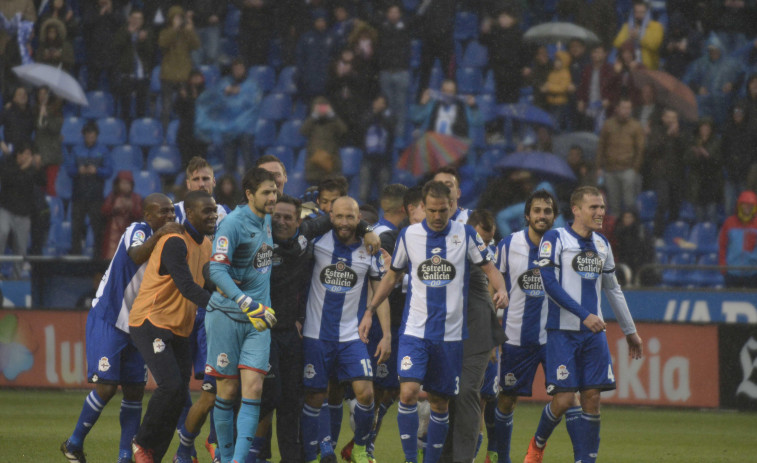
[(491, 457), (211, 448), (327, 453), (141, 454), (125, 460), (535, 454), (183, 459), (358, 454), (371, 458), (73, 455), (347, 450)]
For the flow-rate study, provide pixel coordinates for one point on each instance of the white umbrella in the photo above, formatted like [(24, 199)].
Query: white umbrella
[(559, 32), (59, 81)]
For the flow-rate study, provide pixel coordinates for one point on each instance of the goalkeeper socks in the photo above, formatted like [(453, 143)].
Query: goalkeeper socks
[(503, 426), (407, 421), (573, 425), (589, 437), (130, 415), (90, 412), (438, 425), (491, 435), (310, 423), (336, 414), (247, 424), (363, 423), (224, 418), (186, 441), (547, 424)]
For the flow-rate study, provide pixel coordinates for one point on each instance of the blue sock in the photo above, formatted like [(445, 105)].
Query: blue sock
[(130, 415), (184, 412), (491, 435), (438, 425), (589, 429), (407, 421), (547, 424), (324, 424), (257, 445), (478, 443), (380, 413), (310, 423), (90, 412), (363, 423), (186, 441), (247, 424), (224, 418), (573, 425), (212, 434), (335, 417), (503, 426)]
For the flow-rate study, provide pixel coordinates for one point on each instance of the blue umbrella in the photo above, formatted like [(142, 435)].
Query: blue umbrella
[(526, 113), (546, 165)]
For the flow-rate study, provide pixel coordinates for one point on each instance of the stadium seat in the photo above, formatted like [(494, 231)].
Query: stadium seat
[(466, 26), (687, 213), (276, 106), (705, 236), (146, 182), (229, 46), (436, 77), (415, 53), (126, 157), (100, 105), (674, 231), (708, 277), (146, 132), (71, 131), (410, 5), (265, 133), (678, 277), (211, 73), (63, 184), (285, 155), (646, 204), (290, 135), (275, 54), (301, 110), (172, 131), (155, 80), (164, 160), (489, 87), (263, 76), (286, 82), (469, 81), (404, 177), (475, 55), (299, 163), (351, 160), (296, 184), (231, 22), (487, 106), (112, 131), (477, 135)]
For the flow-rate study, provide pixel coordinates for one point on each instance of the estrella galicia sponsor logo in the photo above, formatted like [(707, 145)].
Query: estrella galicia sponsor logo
[(530, 283), (588, 264), (263, 259), (338, 278), (436, 272)]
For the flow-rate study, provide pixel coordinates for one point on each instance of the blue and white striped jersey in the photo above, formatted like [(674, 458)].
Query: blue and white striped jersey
[(181, 215), (526, 315), (573, 269), (382, 226), (439, 267), (338, 289), (460, 215), (120, 283)]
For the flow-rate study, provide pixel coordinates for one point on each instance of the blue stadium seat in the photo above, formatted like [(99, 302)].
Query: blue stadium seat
[(69, 109), (275, 53), (646, 204), (487, 106), (436, 77), (705, 236), (687, 213), (100, 105), (299, 164), (351, 160), (490, 87), (57, 209), (263, 76), (410, 5), (172, 131), (63, 184), (146, 132), (71, 131), (231, 21), (164, 160), (126, 157), (475, 55), (404, 177), (296, 184), (415, 53), (155, 80), (285, 155), (265, 133), (300, 110), (477, 135), (290, 135), (211, 73), (469, 81), (466, 26), (286, 82), (276, 106), (112, 131), (678, 277), (146, 182), (707, 277), (672, 231)]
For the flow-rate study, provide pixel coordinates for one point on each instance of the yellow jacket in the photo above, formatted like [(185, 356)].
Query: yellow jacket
[(650, 43)]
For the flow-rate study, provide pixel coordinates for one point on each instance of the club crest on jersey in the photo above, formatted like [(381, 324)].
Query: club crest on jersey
[(222, 244), (562, 373), (456, 241), (530, 283), (309, 371), (158, 346), (546, 249), (222, 360), (303, 242), (382, 371), (103, 364), (338, 278), (510, 380), (406, 363), (601, 247), (263, 259), (138, 238), (588, 264), (436, 272)]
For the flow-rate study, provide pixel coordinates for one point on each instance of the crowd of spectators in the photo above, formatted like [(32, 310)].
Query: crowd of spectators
[(374, 75)]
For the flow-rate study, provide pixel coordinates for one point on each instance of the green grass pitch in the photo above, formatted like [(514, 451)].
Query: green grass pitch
[(34, 423)]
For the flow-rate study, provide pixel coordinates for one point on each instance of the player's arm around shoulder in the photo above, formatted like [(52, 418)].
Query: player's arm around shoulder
[(140, 250)]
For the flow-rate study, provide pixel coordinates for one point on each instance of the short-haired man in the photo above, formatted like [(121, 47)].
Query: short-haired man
[(274, 165), (329, 189), (450, 177), (436, 254), (162, 317)]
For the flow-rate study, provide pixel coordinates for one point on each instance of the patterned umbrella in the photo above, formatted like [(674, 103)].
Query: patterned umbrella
[(432, 151)]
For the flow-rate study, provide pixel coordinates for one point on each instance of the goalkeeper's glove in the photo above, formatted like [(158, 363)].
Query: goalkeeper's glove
[(261, 317)]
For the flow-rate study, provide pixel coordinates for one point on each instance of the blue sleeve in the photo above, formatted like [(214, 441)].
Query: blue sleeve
[(555, 292), (420, 114), (220, 263), (71, 167), (106, 169)]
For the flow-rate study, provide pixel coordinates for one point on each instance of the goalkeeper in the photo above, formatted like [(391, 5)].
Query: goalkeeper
[(238, 315)]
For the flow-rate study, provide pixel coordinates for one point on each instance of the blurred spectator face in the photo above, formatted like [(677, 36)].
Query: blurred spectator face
[(20, 97), (57, 4), (90, 138), (628, 219), (227, 187), (196, 79), (576, 48), (237, 71), (542, 57), (104, 3), (394, 14), (647, 95), (627, 56), (738, 115), (669, 118), (623, 110), (43, 95), (202, 179), (136, 20), (320, 24), (379, 104), (598, 55), (574, 156), (340, 14), (705, 131), (124, 186), (505, 20), (714, 53), (51, 33), (24, 158), (449, 88), (322, 109), (639, 11)]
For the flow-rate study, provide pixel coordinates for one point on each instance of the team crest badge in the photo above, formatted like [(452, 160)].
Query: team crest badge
[(510, 380), (104, 364), (382, 371), (309, 372), (562, 372), (158, 346), (222, 360), (406, 363)]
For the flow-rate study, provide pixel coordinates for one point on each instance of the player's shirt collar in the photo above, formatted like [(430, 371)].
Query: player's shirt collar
[(386, 223), (569, 229), (434, 232)]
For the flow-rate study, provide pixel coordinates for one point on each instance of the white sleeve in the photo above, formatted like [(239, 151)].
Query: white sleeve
[(616, 298)]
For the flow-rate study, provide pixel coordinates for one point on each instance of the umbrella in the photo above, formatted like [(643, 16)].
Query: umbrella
[(546, 164), (526, 113), (588, 142), (432, 151), (669, 91), (60, 82), (560, 32)]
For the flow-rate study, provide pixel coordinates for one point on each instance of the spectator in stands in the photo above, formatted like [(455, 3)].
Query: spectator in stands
[(255, 30), (436, 19), (346, 93), (598, 88), (446, 112), (558, 88), (17, 120), (579, 59), (681, 46), (47, 137), (634, 246), (208, 17), (597, 15), (312, 57), (135, 47), (584, 170), (393, 52), (324, 131), (537, 75), (739, 143), (362, 41), (99, 25), (20, 174), (737, 243), (240, 104), (507, 54), (62, 11), (9, 50), (343, 24), (665, 170), (378, 136), (644, 34), (176, 41), (705, 172), (624, 66), (734, 22), (620, 155), (121, 207), (89, 165), (648, 112), (227, 193), (189, 145), (53, 48), (750, 103)]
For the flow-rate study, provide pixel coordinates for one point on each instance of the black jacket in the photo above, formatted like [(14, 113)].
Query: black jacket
[(393, 50)]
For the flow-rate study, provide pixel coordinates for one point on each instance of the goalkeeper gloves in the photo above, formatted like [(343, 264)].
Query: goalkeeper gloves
[(261, 317)]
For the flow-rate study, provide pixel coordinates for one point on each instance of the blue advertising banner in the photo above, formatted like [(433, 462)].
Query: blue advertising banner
[(689, 306)]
